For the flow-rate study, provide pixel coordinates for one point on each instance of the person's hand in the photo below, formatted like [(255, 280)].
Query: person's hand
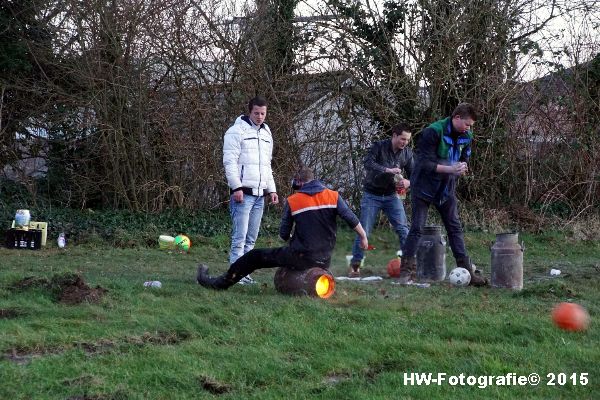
[(460, 168), (364, 243), (274, 198), (395, 171), (403, 184), (238, 196)]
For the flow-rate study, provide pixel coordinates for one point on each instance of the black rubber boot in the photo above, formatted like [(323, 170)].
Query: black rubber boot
[(408, 270), (217, 283), (477, 279)]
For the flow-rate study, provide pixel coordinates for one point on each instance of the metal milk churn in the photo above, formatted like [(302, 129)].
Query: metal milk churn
[(507, 261), (431, 255)]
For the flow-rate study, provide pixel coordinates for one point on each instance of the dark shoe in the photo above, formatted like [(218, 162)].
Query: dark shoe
[(354, 269), (203, 279), (477, 279), (408, 270)]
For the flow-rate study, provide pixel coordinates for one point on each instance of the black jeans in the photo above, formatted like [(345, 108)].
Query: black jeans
[(272, 258), (449, 214)]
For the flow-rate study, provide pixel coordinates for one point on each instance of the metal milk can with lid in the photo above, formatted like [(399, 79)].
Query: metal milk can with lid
[(431, 255), (507, 261)]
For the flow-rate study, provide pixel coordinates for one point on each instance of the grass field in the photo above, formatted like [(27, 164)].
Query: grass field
[(185, 342)]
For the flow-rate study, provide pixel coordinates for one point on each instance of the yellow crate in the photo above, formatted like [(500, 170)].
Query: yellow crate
[(41, 226)]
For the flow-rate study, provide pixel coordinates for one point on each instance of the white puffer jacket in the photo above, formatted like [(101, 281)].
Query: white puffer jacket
[(247, 153)]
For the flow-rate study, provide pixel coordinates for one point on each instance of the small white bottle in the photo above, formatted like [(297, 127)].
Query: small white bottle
[(61, 240), (155, 284)]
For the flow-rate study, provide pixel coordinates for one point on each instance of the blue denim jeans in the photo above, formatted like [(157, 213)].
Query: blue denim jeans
[(449, 214), (245, 218), (392, 207)]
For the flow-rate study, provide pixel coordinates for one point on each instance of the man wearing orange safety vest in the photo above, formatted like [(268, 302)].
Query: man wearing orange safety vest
[(311, 213)]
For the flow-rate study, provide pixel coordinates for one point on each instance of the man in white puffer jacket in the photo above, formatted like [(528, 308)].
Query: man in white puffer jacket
[(247, 153)]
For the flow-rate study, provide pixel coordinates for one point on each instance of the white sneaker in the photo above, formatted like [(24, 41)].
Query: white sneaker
[(247, 280)]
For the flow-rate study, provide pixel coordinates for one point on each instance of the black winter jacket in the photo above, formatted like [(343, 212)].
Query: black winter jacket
[(312, 212), (382, 156)]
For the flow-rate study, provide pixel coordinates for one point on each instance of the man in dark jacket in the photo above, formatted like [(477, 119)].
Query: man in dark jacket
[(311, 212), (388, 164), (442, 155)]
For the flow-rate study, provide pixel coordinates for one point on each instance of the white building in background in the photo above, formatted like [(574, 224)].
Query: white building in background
[(33, 151), (331, 132)]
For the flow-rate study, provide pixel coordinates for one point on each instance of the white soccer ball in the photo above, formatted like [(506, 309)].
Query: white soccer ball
[(459, 277)]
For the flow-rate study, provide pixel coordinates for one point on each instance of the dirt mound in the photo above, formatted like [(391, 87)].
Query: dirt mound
[(66, 288), (75, 291)]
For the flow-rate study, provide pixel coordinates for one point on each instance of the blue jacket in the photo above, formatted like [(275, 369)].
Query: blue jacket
[(425, 182), (313, 210)]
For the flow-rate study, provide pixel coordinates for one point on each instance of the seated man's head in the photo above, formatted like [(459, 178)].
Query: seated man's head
[(303, 175)]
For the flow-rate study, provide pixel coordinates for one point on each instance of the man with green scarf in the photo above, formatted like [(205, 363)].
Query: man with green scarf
[(442, 154)]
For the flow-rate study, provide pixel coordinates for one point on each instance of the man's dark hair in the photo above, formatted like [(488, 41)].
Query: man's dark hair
[(399, 128), (257, 101), (304, 174), (465, 110)]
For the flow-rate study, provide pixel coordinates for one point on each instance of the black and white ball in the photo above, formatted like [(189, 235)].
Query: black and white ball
[(459, 277)]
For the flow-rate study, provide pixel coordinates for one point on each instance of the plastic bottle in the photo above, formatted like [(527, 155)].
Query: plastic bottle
[(155, 284), (400, 192), (61, 240)]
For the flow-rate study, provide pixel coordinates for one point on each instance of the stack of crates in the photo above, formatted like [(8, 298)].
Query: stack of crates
[(31, 237)]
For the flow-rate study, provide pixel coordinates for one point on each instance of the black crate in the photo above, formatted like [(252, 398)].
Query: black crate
[(20, 239)]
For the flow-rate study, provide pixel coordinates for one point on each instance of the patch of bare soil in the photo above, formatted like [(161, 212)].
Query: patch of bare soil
[(212, 386), (24, 356), (82, 380), (335, 378), (159, 338), (66, 288), (7, 313), (76, 291), (118, 395), (30, 282)]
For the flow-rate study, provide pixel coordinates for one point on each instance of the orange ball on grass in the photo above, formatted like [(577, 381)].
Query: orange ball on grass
[(393, 268), (570, 317)]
